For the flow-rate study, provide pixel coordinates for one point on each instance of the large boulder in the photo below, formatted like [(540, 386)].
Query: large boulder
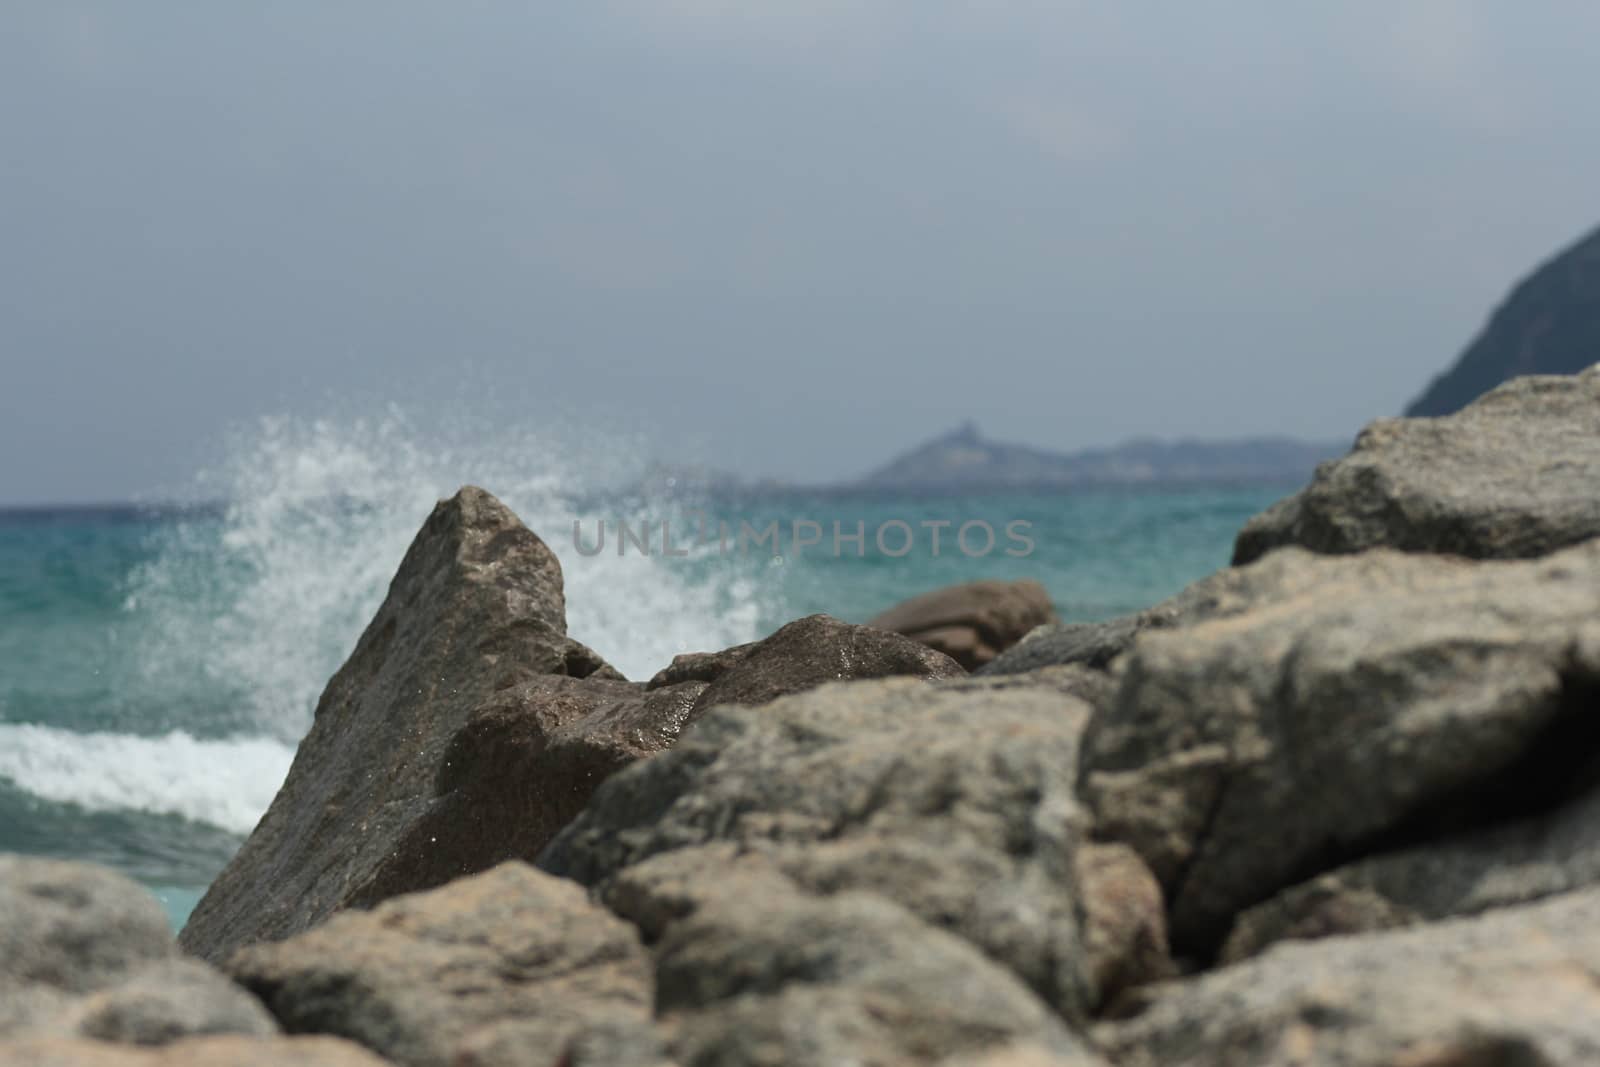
[(475, 609), (1512, 988), (1456, 874), (762, 972), (973, 622), (505, 967), (954, 801), (86, 953), (1329, 708), (1511, 476)]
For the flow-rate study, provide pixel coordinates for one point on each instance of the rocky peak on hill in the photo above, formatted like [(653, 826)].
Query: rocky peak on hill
[(1550, 324)]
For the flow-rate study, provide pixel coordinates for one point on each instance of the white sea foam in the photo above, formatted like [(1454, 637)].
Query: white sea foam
[(225, 783), (243, 619)]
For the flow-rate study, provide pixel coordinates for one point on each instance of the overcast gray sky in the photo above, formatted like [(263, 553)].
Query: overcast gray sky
[(787, 237)]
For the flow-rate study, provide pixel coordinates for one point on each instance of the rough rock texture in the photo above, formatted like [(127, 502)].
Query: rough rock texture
[(1550, 324), (954, 801), (504, 967), (763, 973), (521, 768), (1511, 476), (972, 622), (1457, 875), (699, 666), (819, 648), (475, 609), (85, 952), (1518, 987), (192, 1052), (1334, 707)]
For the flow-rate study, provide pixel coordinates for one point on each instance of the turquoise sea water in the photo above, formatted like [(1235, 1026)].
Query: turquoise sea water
[(157, 667)]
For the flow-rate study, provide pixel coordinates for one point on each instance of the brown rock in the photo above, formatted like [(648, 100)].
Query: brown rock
[(475, 609), (816, 649), (505, 967), (972, 622), (521, 768), (1514, 986)]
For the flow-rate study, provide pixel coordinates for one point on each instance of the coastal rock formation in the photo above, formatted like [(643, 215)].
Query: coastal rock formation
[(1514, 986), (1550, 324), (1332, 707), (972, 622), (85, 953), (952, 801), (1511, 476), (505, 967), (475, 609)]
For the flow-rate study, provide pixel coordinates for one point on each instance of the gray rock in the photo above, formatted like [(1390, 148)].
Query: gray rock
[(1328, 704), (1512, 987), (1511, 476), (762, 972), (192, 1052), (954, 801), (972, 622), (819, 648), (1457, 875), (475, 609), (84, 952), (505, 967), (165, 1001), (74, 927)]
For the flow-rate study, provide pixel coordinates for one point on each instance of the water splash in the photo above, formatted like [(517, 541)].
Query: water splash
[(264, 602)]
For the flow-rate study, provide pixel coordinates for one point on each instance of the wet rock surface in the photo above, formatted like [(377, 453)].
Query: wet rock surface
[(974, 622), (1512, 475), (816, 649), (475, 608)]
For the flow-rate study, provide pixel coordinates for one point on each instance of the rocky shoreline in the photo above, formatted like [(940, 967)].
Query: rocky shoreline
[(1332, 805)]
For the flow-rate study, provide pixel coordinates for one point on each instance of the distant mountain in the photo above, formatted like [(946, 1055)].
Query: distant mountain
[(963, 459), (1550, 324)]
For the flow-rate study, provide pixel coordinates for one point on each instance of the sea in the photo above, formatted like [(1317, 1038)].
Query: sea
[(159, 661)]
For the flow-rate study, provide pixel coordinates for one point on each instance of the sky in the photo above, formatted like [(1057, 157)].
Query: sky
[(786, 238)]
